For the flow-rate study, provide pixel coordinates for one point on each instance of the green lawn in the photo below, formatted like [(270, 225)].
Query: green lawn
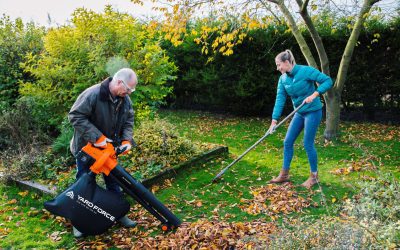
[(361, 146), (363, 151), (24, 224)]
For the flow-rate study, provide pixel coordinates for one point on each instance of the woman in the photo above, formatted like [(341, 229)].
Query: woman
[(298, 82)]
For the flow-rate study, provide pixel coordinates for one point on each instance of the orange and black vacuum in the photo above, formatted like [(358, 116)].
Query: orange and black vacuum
[(91, 209)]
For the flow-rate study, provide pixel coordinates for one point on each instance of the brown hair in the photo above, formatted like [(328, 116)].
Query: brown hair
[(286, 55)]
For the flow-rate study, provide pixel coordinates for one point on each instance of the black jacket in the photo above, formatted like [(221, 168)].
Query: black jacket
[(94, 113)]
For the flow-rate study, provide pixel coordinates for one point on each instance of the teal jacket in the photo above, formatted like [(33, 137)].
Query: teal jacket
[(299, 84)]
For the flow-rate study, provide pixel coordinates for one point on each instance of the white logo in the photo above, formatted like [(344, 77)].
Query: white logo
[(94, 208), (70, 194)]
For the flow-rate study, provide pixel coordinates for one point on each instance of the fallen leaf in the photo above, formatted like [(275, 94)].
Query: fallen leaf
[(13, 201), (23, 194)]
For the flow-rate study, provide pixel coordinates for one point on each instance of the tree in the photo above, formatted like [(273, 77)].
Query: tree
[(333, 96), (254, 12), (17, 40), (92, 48)]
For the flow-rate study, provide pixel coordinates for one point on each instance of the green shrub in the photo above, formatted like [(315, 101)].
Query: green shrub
[(377, 209), (16, 41), (245, 82), (61, 144), (19, 127), (20, 162), (24, 144), (324, 233), (158, 147), (370, 221), (79, 55), (22, 140)]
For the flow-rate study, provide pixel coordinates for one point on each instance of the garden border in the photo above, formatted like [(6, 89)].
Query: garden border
[(173, 171)]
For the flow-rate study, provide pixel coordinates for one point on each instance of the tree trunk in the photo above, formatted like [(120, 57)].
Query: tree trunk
[(332, 101), (332, 97)]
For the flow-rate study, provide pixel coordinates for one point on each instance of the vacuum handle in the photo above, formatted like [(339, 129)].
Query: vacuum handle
[(143, 196)]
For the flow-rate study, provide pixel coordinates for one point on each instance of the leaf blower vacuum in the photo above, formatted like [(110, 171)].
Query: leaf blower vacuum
[(92, 209)]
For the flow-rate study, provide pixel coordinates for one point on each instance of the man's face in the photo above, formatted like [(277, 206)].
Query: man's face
[(126, 88)]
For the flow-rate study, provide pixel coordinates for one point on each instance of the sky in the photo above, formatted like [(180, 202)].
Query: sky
[(60, 10)]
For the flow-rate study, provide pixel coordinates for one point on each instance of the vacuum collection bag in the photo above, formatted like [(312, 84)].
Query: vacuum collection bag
[(91, 209)]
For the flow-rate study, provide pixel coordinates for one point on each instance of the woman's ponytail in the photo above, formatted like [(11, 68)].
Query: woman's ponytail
[(286, 55)]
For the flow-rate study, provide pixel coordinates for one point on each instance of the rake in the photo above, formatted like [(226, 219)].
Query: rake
[(269, 132)]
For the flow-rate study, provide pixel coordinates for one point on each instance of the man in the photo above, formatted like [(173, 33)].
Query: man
[(103, 113)]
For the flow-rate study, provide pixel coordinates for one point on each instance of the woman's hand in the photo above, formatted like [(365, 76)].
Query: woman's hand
[(272, 126), (311, 97)]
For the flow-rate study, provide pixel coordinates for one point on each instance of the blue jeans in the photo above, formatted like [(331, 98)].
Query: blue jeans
[(111, 185), (309, 122)]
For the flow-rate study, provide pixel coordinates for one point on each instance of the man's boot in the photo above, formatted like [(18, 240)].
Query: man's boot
[(311, 181), (283, 177), (77, 233), (126, 222)]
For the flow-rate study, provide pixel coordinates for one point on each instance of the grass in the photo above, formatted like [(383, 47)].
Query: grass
[(24, 225), (264, 162), (192, 196)]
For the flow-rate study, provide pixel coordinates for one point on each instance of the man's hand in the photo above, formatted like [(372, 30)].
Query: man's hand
[(311, 97), (102, 142), (125, 147)]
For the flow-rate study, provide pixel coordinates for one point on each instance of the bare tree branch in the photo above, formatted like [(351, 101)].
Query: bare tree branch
[(267, 7), (323, 57)]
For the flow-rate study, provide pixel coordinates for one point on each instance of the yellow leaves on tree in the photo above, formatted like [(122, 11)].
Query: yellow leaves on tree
[(219, 35)]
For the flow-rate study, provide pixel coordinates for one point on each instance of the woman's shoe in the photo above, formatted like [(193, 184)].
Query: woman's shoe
[(283, 177), (311, 181)]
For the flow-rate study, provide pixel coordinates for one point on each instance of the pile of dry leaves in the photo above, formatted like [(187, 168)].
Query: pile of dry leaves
[(202, 234), (367, 163), (205, 234), (281, 199)]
